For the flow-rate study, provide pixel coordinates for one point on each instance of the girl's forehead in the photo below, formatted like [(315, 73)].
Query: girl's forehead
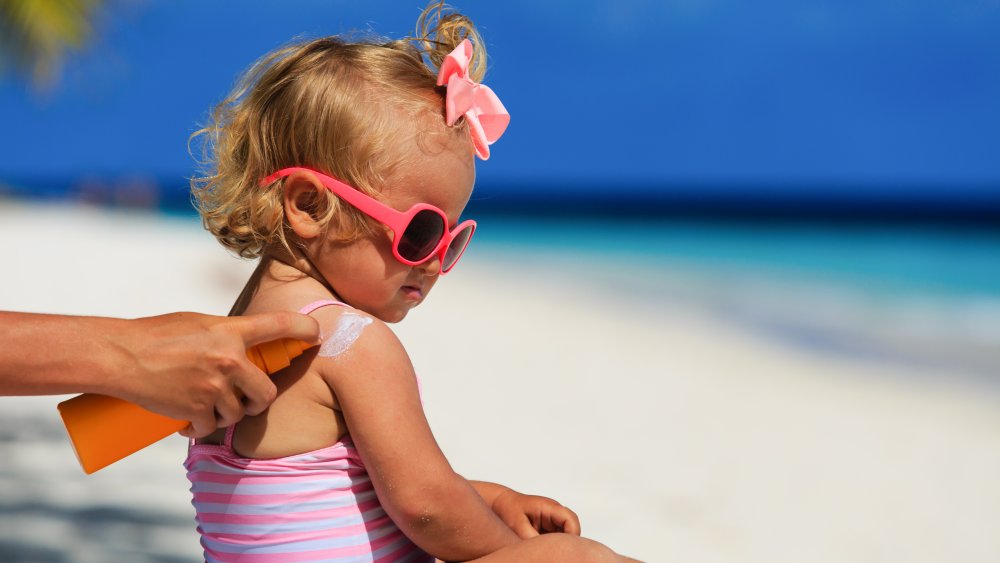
[(444, 178)]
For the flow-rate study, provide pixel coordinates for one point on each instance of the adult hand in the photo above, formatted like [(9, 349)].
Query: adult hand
[(530, 515), (194, 367)]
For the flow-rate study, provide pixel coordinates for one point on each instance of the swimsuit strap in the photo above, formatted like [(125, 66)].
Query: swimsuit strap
[(227, 442), (317, 304)]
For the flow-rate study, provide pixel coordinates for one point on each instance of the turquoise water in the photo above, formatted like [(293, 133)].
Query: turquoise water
[(923, 295), (874, 257)]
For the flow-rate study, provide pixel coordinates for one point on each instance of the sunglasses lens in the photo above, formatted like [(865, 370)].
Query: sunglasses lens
[(421, 236), (456, 248)]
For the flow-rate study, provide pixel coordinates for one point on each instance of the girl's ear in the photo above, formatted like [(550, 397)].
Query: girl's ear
[(301, 200)]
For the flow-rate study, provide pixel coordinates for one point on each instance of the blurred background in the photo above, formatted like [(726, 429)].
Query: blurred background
[(799, 200)]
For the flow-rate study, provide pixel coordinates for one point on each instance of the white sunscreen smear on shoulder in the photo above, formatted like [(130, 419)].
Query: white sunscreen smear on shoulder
[(348, 329)]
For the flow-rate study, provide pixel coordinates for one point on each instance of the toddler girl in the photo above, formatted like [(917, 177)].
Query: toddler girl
[(345, 167)]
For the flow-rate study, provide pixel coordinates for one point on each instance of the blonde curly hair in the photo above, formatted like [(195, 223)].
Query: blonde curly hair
[(331, 104)]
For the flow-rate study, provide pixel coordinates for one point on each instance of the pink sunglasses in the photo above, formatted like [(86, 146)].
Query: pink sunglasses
[(419, 233)]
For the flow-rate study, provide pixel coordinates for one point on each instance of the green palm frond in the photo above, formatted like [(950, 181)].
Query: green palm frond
[(36, 35)]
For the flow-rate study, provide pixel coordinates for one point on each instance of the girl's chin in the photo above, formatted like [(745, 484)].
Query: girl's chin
[(393, 314)]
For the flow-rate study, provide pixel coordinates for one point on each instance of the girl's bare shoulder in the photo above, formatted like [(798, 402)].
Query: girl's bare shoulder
[(291, 296), (353, 340)]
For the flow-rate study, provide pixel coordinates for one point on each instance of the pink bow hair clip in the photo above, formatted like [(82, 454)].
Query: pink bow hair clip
[(487, 117)]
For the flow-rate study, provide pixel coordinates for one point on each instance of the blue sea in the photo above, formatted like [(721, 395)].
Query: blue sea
[(922, 294)]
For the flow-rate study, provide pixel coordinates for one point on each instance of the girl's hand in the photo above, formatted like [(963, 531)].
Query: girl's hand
[(530, 515)]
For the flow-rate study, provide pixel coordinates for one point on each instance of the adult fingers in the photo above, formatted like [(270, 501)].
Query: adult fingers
[(228, 410), (255, 401), (265, 327), (257, 388), (200, 426)]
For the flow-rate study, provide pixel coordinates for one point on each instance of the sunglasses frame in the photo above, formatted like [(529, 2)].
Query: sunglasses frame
[(396, 221)]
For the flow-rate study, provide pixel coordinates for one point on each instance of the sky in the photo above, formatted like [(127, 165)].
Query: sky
[(883, 95)]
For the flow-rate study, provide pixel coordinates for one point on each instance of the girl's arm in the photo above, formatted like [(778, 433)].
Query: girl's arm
[(186, 366), (489, 491), (377, 392)]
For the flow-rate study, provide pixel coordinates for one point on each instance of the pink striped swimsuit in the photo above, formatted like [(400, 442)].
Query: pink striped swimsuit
[(314, 506)]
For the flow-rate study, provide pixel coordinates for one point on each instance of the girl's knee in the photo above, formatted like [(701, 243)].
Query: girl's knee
[(565, 547)]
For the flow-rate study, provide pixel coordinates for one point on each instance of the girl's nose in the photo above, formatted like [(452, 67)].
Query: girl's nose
[(431, 267)]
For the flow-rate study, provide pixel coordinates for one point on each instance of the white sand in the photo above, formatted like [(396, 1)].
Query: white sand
[(675, 435)]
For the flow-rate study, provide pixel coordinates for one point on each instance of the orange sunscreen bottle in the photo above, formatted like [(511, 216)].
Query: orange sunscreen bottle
[(104, 429)]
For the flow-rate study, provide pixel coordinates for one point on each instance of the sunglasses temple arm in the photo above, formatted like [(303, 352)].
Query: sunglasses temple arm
[(361, 201)]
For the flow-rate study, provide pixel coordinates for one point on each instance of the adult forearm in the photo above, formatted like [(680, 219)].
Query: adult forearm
[(55, 354), (187, 366)]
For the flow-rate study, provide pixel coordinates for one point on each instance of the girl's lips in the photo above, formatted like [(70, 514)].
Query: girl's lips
[(412, 292)]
